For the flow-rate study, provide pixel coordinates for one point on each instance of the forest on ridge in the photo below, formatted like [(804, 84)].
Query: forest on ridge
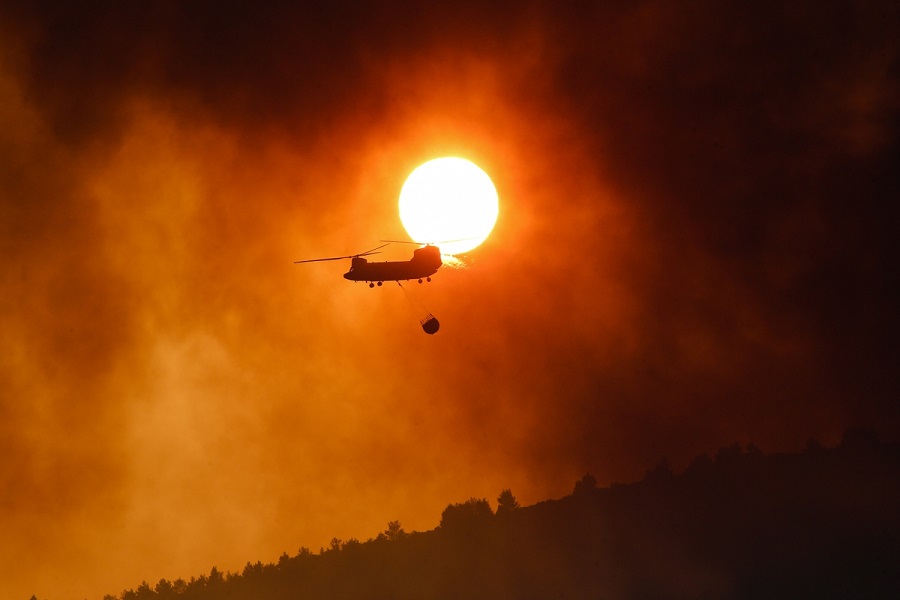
[(741, 524)]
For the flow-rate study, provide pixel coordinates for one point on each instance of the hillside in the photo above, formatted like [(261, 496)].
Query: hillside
[(822, 523)]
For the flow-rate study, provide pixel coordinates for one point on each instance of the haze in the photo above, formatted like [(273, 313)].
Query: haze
[(695, 248)]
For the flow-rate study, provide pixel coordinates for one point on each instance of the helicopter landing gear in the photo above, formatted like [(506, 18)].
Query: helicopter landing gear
[(428, 279), (371, 285), (420, 280), (379, 283)]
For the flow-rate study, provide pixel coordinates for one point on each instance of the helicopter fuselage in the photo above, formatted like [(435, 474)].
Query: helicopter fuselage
[(424, 263)]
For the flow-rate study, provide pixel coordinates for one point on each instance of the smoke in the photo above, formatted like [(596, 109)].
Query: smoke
[(692, 249)]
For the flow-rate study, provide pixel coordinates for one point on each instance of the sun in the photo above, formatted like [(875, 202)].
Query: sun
[(449, 202)]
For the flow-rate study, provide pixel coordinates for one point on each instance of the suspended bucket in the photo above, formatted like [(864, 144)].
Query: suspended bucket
[(430, 324)]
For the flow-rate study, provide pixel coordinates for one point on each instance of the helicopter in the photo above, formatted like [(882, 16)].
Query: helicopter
[(424, 263)]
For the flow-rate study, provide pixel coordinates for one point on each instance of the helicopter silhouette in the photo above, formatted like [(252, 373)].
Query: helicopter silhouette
[(424, 263)]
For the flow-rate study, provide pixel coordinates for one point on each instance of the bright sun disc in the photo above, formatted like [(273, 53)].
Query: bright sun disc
[(449, 202)]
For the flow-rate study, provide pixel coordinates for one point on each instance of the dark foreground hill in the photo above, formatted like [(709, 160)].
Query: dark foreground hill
[(819, 524)]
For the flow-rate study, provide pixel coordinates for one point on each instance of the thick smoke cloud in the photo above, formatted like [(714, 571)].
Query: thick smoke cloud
[(694, 248)]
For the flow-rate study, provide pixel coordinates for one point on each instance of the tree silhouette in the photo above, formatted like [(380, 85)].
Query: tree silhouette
[(585, 485), (661, 473), (472, 512), (506, 502), (393, 532), (164, 589)]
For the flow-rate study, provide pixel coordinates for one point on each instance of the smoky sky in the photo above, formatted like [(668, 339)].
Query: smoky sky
[(695, 247)]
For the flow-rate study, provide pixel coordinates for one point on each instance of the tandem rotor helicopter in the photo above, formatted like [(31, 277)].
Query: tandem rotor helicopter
[(424, 263), (445, 197)]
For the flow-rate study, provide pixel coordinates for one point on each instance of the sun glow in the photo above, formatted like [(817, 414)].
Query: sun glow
[(449, 202)]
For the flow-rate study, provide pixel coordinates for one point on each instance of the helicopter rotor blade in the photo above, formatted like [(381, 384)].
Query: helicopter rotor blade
[(373, 250), (366, 253), (427, 243), (297, 262), (408, 242)]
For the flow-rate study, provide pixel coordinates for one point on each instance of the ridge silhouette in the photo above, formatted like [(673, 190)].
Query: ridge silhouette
[(820, 523)]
